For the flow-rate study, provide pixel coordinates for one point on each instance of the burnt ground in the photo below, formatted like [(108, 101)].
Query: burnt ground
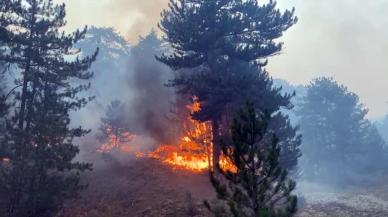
[(146, 188), (141, 188)]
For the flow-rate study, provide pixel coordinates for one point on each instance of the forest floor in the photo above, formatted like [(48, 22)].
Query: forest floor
[(141, 188), (146, 188), (369, 201)]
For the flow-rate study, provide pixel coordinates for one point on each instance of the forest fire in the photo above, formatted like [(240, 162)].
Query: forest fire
[(116, 140), (188, 155), (195, 149)]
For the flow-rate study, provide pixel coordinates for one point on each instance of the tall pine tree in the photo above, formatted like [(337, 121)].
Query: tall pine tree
[(219, 49), (337, 134), (4, 41), (260, 187), (41, 173), (3, 112)]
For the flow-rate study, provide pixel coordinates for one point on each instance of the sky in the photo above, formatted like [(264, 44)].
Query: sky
[(344, 39)]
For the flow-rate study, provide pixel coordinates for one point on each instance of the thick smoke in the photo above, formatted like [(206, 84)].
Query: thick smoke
[(152, 101), (358, 47), (110, 70), (131, 17), (146, 15), (133, 76)]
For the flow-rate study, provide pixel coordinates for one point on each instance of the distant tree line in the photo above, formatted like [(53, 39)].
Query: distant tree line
[(339, 143)]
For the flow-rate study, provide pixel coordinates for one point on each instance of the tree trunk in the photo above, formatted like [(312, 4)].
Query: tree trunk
[(24, 96), (27, 69), (216, 146)]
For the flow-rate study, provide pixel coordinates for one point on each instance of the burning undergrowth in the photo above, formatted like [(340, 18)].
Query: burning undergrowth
[(192, 151), (156, 112)]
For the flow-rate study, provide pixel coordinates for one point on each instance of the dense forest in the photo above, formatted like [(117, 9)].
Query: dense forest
[(187, 121)]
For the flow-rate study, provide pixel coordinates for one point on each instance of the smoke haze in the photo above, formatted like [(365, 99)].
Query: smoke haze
[(131, 17), (151, 102), (345, 39)]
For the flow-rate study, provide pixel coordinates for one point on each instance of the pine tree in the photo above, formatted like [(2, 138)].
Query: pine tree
[(41, 173), (114, 130), (3, 112), (4, 21), (372, 153), (217, 46), (337, 134), (260, 187), (4, 41)]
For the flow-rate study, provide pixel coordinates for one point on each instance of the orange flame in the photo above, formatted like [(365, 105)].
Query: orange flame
[(195, 149)]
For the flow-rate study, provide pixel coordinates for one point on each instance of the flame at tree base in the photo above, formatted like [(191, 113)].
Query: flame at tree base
[(173, 157), (190, 155), (194, 151)]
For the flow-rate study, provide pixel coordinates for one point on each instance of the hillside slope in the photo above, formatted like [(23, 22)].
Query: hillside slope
[(147, 188)]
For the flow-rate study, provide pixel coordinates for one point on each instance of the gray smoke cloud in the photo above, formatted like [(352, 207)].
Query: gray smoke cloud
[(131, 17), (345, 39), (151, 104)]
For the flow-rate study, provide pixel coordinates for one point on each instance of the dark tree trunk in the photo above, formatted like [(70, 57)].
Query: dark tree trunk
[(27, 69), (24, 97), (216, 145)]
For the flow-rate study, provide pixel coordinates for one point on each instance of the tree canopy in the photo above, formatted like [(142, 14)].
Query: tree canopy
[(337, 133), (219, 49), (40, 173), (260, 187)]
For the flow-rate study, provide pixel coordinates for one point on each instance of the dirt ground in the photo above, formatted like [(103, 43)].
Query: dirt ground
[(141, 188), (146, 188), (351, 201)]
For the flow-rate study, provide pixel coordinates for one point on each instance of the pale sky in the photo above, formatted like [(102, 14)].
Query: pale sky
[(345, 39)]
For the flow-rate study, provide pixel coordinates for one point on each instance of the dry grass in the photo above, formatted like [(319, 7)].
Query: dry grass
[(146, 188)]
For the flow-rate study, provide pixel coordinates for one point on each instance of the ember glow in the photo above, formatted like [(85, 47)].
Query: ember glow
[(7, 160)]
